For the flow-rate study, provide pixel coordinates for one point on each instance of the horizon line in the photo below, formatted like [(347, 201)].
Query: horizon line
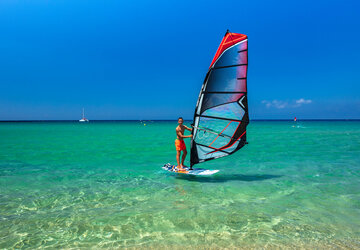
[(119, 120)]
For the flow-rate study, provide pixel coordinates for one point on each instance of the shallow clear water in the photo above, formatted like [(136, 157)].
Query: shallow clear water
[(69, 185)]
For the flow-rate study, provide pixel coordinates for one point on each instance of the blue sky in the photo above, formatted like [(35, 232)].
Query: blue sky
[(147, 60)]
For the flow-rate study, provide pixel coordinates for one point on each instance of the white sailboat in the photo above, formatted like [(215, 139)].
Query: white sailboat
[(83, 119)]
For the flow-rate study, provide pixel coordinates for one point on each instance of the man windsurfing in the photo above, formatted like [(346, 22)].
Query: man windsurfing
[(180, 144)]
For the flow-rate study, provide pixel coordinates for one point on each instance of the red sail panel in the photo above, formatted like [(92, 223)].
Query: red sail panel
[(229, 40)]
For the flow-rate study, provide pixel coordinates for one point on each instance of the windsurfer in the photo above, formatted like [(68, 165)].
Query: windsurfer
[(180, 144)]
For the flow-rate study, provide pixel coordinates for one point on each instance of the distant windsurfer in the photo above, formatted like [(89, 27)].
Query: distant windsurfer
[(180, 144)]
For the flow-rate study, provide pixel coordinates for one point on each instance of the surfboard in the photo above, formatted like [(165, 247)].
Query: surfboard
[(195, 171)]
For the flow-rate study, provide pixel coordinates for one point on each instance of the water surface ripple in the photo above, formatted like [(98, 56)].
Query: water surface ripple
[(100, 185)]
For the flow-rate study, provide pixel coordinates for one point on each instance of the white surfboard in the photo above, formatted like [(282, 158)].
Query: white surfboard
[(195, 171)]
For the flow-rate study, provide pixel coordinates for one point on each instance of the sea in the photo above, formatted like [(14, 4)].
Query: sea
[(72, 185)]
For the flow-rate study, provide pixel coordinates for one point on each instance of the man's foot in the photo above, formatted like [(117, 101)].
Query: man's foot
[(180, 168)]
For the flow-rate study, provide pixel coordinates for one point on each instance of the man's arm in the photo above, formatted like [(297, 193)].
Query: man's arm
[(190, 129), (181, 135)]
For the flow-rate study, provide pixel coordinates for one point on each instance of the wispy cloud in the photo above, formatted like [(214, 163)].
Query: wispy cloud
[(275, 103), (279, 104), (302, 101)]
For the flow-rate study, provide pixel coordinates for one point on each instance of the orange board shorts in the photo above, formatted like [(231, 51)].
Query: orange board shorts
[(180, 145)]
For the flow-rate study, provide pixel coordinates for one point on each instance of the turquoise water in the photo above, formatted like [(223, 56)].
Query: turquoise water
[(71, 185)]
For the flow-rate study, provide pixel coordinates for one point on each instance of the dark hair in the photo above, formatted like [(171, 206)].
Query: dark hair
[(180, 118)]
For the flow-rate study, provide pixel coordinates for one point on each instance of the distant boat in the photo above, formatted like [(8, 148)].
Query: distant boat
[(83, 119)]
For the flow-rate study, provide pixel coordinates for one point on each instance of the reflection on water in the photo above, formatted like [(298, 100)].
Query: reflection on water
[(227, 177)]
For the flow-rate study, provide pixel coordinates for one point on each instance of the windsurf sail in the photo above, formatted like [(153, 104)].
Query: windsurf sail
[(221, 113)]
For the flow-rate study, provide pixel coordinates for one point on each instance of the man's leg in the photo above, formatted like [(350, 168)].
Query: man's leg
[(183, 157), (178, 152)]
